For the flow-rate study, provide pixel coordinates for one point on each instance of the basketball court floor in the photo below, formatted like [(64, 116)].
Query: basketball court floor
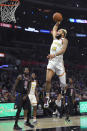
[(78, 123)]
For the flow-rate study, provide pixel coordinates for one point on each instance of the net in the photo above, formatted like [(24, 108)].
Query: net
[(8, 9)]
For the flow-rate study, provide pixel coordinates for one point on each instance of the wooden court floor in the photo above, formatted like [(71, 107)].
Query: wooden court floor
[(78, 123)]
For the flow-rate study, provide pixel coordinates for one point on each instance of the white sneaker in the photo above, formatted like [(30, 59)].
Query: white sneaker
[(25, 121), (54, 113), (34, 121)]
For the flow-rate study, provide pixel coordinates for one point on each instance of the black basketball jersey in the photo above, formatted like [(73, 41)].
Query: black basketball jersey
[(23, 85)]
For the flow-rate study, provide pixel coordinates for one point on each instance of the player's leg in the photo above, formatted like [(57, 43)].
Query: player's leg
[(25, 110), (49, 74), (63, 85), (34, 103), (19, 103), (62, 79), (25, 115), (34, 113), (60, 72), (27, 107)]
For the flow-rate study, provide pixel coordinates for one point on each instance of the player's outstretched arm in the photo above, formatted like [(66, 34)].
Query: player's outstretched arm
[(55, 28)]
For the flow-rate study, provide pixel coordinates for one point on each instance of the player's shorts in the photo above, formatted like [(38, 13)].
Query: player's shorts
[(59, 70), (33, 99), (19, 103)]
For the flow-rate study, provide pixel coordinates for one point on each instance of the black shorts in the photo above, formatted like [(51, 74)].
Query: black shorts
[(22, 103)]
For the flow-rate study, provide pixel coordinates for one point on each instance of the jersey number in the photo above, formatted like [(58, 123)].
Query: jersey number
[(53, 48)]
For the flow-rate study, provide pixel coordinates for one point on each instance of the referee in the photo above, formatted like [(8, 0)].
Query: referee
[(22, 89)]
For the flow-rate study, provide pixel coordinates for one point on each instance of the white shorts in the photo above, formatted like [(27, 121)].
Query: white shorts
[(57, 68), (33, 99), (60, 71)]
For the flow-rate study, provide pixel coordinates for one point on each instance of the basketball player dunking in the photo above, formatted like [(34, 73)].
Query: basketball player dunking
[(55, 63)]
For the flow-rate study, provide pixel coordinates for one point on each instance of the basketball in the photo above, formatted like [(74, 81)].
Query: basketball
[(57, 17)]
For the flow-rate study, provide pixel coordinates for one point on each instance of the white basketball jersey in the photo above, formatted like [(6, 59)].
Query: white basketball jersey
[(56, 46), (33, 87)]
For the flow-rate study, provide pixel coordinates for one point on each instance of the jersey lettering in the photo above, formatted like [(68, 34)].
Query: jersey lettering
[(33, 87)]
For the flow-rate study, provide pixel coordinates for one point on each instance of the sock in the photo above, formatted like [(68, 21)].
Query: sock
[(25, 121), (47, 95), (34, 119)]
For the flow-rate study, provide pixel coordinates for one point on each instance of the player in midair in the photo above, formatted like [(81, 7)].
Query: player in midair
[(55, 60)]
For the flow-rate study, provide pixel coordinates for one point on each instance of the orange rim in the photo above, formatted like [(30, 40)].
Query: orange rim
[(11, 4)]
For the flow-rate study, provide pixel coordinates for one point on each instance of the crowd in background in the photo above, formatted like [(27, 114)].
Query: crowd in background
[(8, 77)]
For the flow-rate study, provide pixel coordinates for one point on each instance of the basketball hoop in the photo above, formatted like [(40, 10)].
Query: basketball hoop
[(8, 9)]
